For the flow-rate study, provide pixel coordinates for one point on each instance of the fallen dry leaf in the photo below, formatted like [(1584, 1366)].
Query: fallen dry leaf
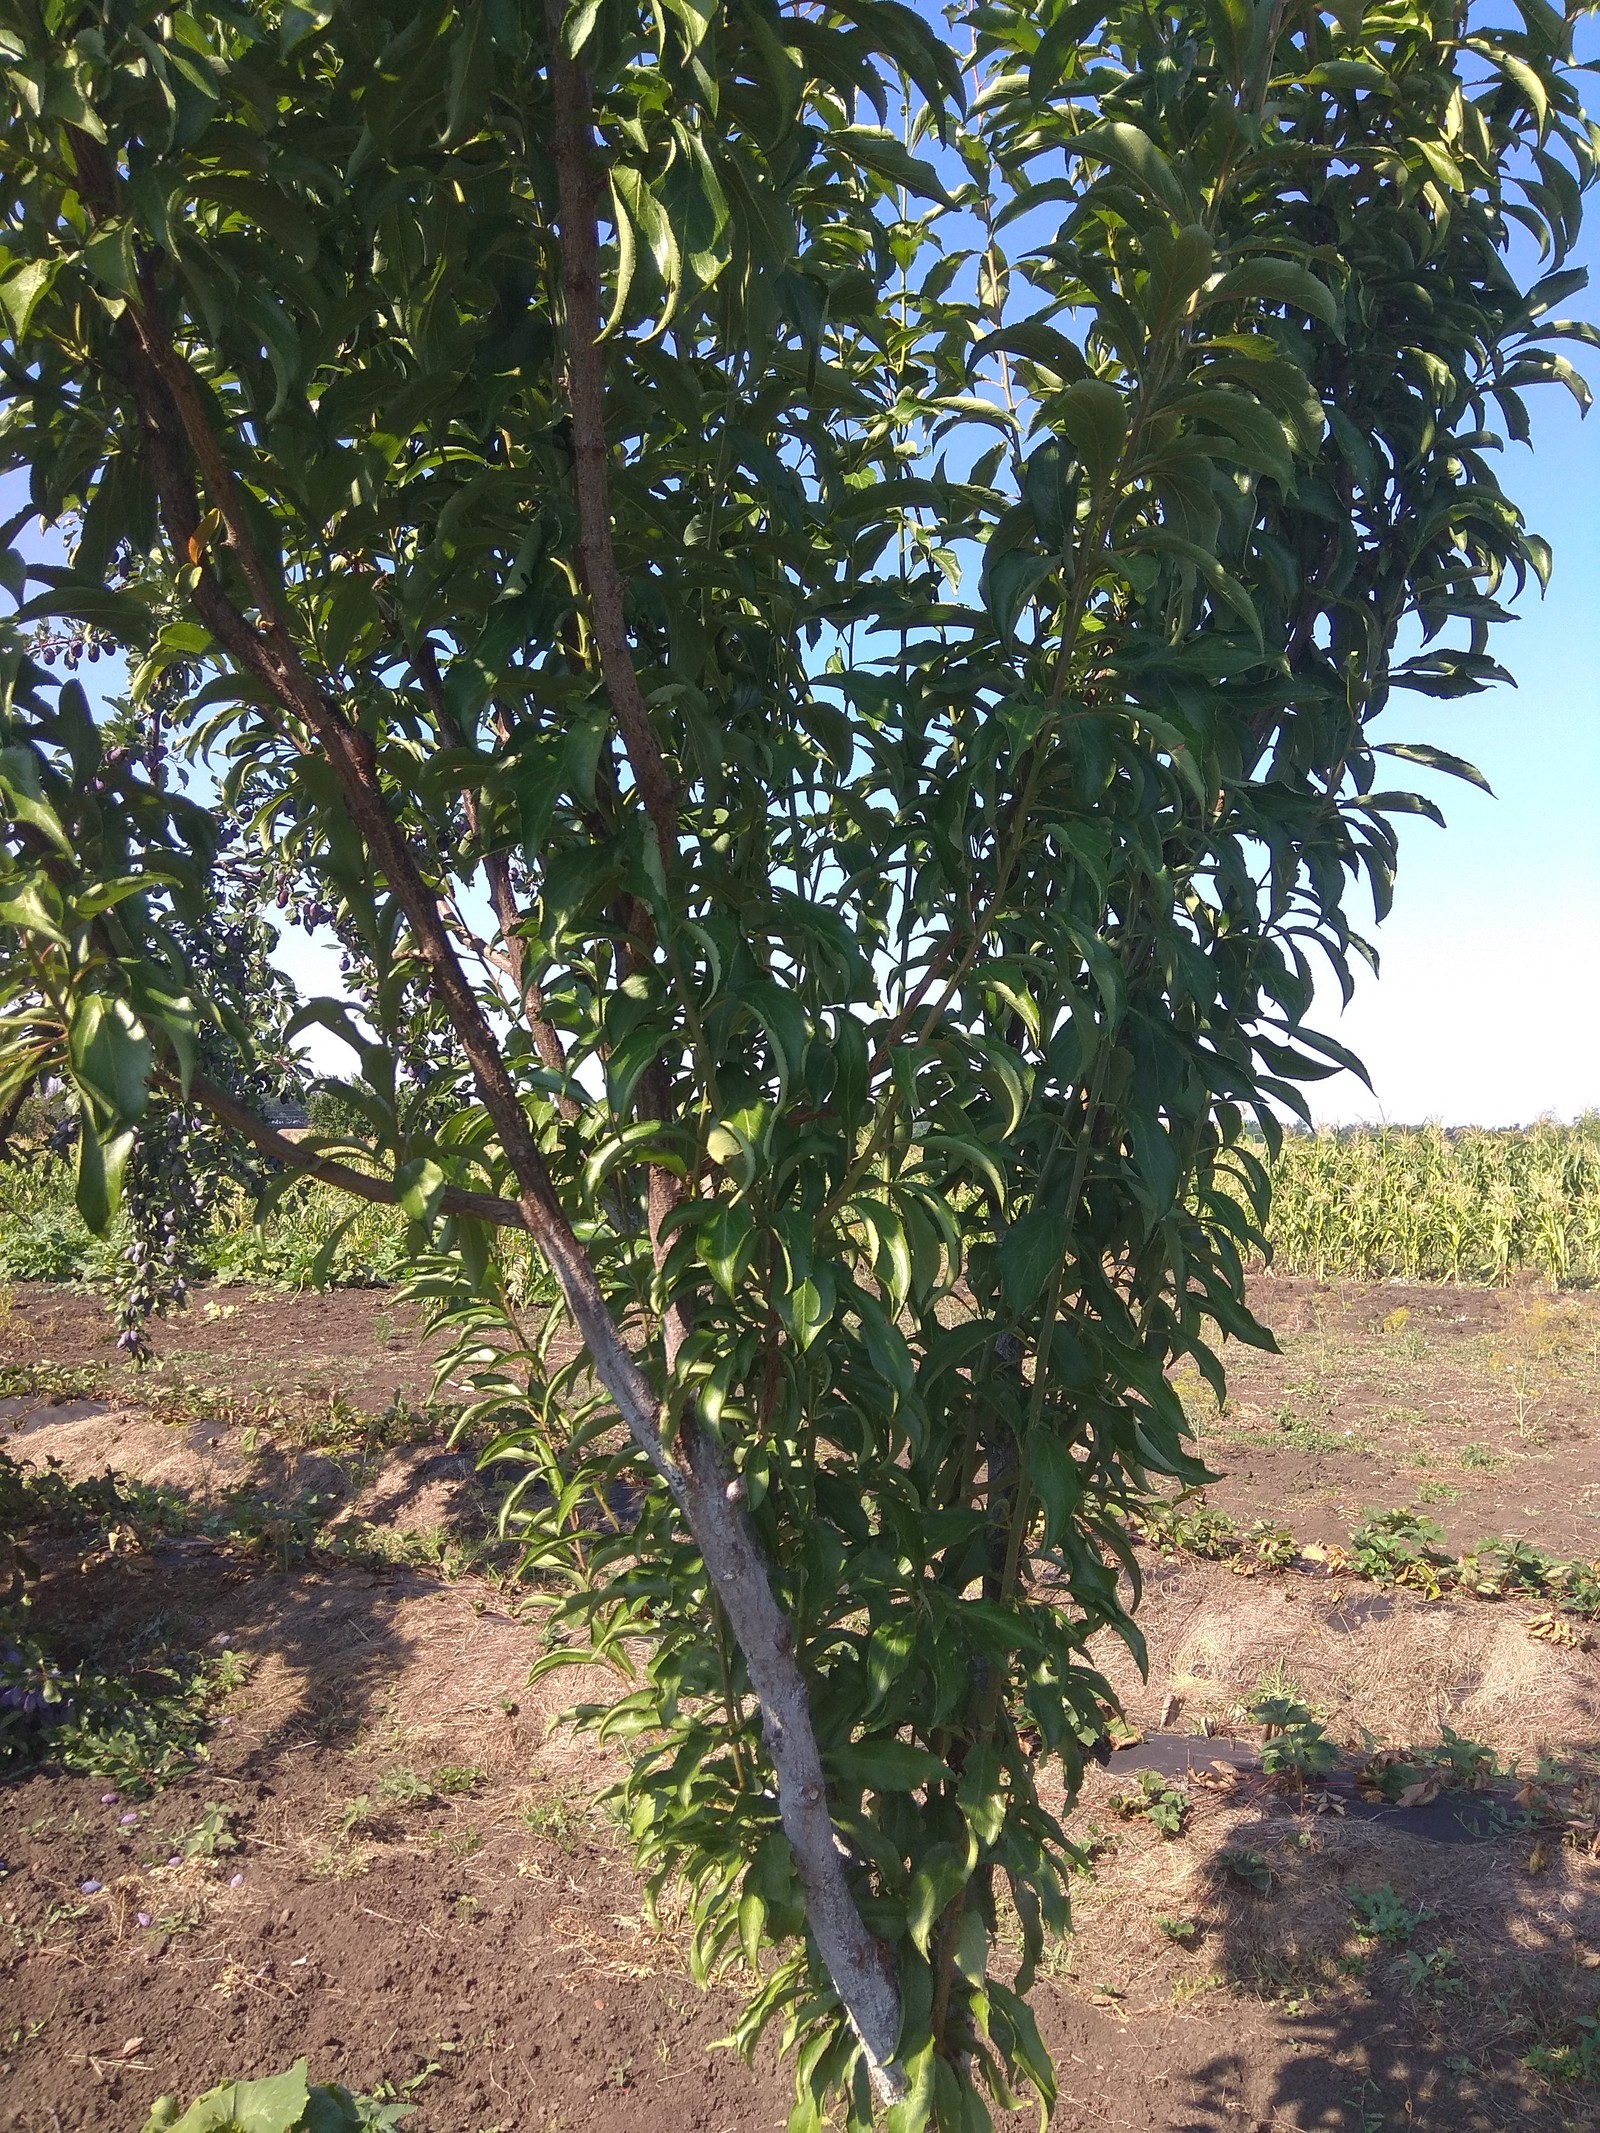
[(1551, 1628), (1419, 1794), (1539, 1857)]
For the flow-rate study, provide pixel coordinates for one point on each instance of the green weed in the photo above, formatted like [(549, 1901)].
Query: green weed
[(1155, 1800), (212, 1836), (1575, 2061), (1379, 1914), (458, 1778), (1248, 1867), (1295, 1742)]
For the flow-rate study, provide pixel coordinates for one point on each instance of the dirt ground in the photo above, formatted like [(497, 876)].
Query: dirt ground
[(394, 1863)]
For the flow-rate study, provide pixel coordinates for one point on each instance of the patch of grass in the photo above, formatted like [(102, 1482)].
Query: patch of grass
[(1573, 2062), (138, 1727), (1185, 1989), (1477, 1458), (56, 1382), (555, 1819)]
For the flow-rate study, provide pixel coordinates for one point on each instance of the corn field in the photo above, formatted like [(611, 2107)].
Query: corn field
[(1430, 1203), (1426, 1203)]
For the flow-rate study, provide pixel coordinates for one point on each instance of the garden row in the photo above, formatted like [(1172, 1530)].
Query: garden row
[(1398, 1547)]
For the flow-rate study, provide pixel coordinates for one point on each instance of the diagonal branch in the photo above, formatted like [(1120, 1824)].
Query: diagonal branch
[(502, 899), (295, 1155), (179, 440)]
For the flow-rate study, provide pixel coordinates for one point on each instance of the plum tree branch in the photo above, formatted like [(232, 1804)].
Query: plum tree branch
[(573, 150), (328, 1170), (181, 441)]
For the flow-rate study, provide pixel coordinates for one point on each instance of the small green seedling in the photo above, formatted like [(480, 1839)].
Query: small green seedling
[(1272, 1546), (1435, 1975), (1296, 1743), (355, 1815), (1164, 1806), (1381, 1915), (212, 1835), (1467, 1765), (457, 1777), (1181, 1931), (1401, 1548), (1246, 1866), (403, 1788)]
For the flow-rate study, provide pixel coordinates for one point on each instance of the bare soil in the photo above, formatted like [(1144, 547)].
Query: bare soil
[(413, 1882)]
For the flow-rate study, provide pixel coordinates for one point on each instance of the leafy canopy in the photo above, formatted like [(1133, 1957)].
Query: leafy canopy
[(807, 599)]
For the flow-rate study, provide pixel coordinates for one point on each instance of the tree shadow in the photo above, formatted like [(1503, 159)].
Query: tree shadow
[(1419, 1970), (293, 1559)]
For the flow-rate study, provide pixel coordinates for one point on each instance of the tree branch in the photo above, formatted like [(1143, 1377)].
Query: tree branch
[(173, 416), (546, 1039), (294, 1155), (573, 150)]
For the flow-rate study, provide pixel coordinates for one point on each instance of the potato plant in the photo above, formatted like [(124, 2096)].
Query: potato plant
[(808, 594)]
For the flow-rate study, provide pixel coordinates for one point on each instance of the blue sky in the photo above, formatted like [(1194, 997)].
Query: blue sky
[(1487, 1006)]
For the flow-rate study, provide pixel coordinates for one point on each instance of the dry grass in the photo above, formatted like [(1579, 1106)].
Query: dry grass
[(1388, 1665)]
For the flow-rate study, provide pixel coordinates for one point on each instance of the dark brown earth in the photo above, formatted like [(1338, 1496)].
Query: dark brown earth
[(1480, 1407), (425, 1891)]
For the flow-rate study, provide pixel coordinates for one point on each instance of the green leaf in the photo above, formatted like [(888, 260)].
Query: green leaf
[(1094, 416), (886, 157), (939, 1879), (24, 799), (888, 1766), (1131, 151), (102, 1160), (420, 1187), (1254, 432), (35, 907), (274, 2105), (1221, 583), (1276, 281), (110, 1054), (809, 1307), (471, 76), (727, 1244), (1057, 1481), (23, 290), (1431, 758), (783, 1018), (1031, 1252)]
